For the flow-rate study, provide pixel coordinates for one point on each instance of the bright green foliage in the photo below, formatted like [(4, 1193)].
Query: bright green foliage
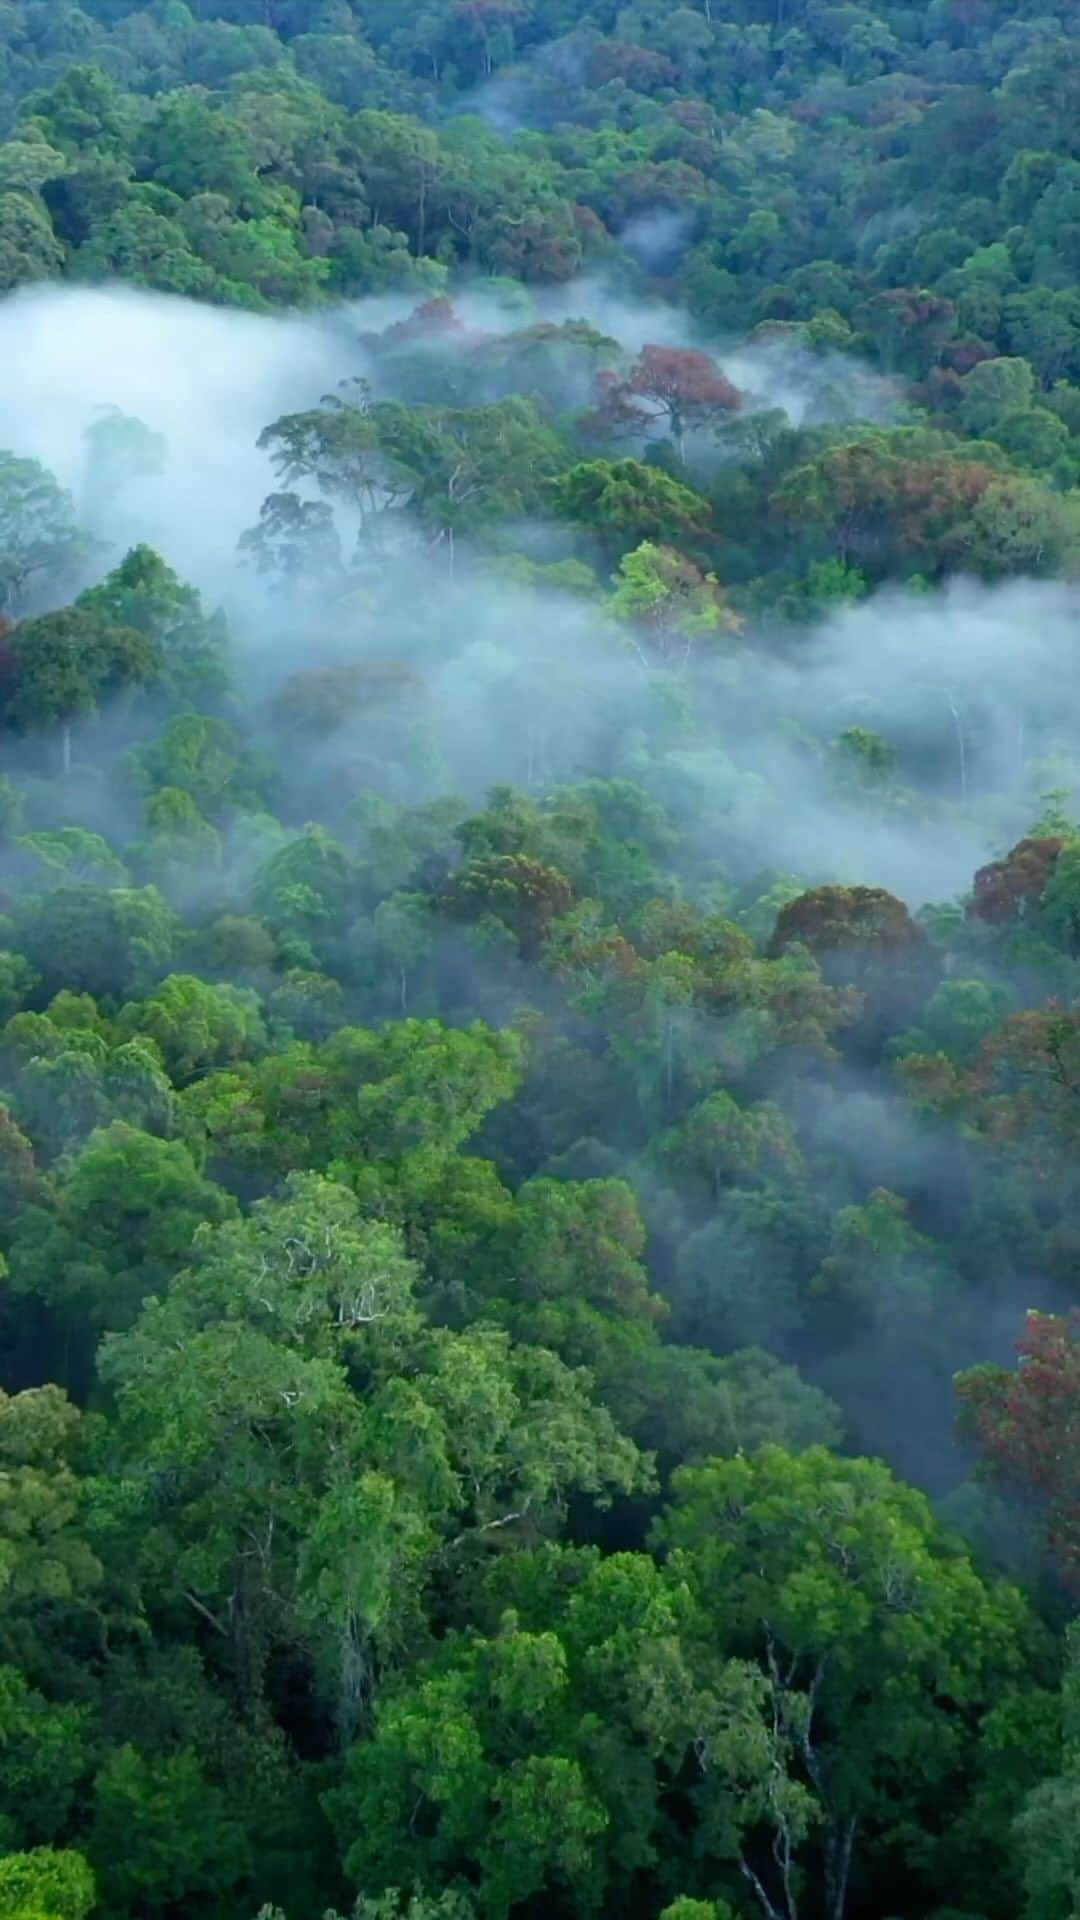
[(622, 503), (43, 1758), (532, 1753), (244, 1367), (195, 1026), (686, 1909), (144, 595), (69, 1082), (46, 1883), (49, 1575), (125, 1221), (203, 758), (882, 1645), (180, 848), (955, 1020), (73, 853), (669, 601)]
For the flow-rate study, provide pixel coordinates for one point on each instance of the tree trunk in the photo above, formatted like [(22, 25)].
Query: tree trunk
[(65, 742), (961, 745), (839, 1848), (766, 1905), (354, 1687)]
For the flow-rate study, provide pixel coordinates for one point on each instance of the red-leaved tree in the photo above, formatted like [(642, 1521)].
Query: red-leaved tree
[(1026, 1425), (1010, 890), (676, 388)]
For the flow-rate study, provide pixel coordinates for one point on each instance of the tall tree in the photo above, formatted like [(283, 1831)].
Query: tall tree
[(39, 537), (69, 664), (678, 388)]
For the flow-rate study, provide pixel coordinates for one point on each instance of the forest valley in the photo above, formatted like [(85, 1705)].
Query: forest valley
[(540, 967)]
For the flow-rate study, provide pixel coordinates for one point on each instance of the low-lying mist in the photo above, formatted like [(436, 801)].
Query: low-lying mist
[(977, 688), (209, 381)]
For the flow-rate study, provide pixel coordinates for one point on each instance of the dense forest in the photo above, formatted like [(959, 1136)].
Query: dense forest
[(539, 960)]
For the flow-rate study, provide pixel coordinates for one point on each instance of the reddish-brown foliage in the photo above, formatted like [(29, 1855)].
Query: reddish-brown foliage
[(433, 320), (863, 937), (847, 920), (1026, 1082), (676, 386), (524, 894), (637, 67), (1026, 1425), (873, 497), (1010, 890), (325, 698), (681, 381), (961, 355)]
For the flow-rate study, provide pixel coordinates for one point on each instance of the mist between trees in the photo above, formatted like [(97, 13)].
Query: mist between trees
[(541, 922)]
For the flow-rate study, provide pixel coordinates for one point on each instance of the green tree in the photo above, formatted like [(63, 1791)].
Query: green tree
[(46, 1884), (68, 665), (669, 604), (162, 1831), (882, 1646), (295, 539), (145, 596), (29, 248), (1046, 1825), (195, 1025), (123, 1224), (50, 1577), (121, 451), (204, 757), (456, 1440), (106, 943), (533, 1755), (39, 537), (992, 390), (1019, 527), (622, 503), (43, 1761)]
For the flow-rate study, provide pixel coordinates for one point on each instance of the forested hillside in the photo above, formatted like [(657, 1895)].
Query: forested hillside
[(539, 960)]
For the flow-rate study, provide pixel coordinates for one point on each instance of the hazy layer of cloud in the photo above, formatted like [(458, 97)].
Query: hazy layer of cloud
[(210, 380), (657, 240), (975, 686)]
